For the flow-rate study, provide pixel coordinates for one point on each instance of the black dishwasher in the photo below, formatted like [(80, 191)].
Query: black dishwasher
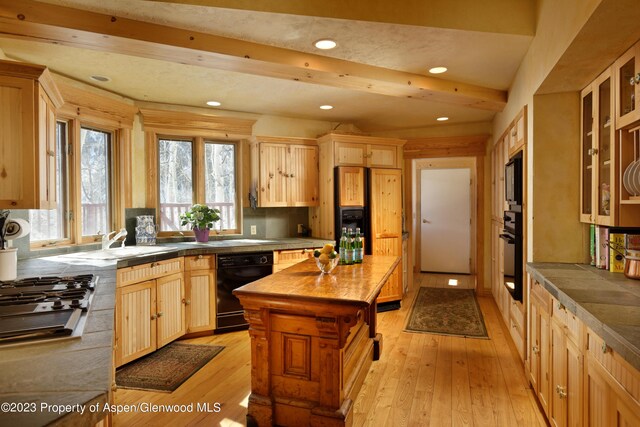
[(234, 271)]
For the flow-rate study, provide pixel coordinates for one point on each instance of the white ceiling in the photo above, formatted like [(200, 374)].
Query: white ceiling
[(480, 58)]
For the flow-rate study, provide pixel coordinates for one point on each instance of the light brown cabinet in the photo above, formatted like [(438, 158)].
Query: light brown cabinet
[(612, 387), (287, 258), (29, 99), (287, 174), (538, 356), (366, 155), (150, 309), (627, 87), (200, 293), (386, 224), (351, 181)]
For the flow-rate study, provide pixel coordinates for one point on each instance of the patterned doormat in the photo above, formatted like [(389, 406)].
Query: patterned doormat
[(447, 312), (166, 369)]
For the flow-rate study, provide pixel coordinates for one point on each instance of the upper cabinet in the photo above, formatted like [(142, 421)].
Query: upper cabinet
[(627, 87), (29, 99), (366, 155), (286, 172), (598, 160)]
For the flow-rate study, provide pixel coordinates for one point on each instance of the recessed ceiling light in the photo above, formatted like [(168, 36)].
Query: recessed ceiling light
[(213, 103), (437, 70), (100, 79), (442, 119), (326, 107), (325, 44)]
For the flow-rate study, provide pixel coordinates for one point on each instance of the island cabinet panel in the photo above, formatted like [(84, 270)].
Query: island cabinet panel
[(312, 341), (200, 293)]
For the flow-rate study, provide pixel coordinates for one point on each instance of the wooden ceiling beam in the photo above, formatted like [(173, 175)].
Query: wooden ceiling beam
[(49, 23), (445, 146)]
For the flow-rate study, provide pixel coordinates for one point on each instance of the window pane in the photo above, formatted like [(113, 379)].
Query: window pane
[(50, 224), (220, 181), (176, 182), (94, 175)]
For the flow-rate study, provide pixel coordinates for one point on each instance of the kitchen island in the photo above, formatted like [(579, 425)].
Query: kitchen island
[(313, 338)]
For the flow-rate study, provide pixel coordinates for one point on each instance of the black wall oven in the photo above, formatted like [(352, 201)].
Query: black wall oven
[(235, 270), (512, 269)]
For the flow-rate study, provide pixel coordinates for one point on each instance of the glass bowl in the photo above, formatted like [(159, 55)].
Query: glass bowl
[(328, 267)]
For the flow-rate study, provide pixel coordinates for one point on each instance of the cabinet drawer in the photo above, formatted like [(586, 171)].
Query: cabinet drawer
[(558, 312), (149, 271), (542, 296), (199, 262), (292, 257)]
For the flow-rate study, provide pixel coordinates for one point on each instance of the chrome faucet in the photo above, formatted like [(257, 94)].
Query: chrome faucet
[(107, 242)]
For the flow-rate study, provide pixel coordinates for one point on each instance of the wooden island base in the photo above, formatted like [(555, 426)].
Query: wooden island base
[(313, 338)]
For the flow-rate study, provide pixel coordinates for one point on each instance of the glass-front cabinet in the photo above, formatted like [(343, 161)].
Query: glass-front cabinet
[(597, 179), (627, 82)]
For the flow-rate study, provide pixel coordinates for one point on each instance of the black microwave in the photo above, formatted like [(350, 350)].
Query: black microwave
[(513, 180)]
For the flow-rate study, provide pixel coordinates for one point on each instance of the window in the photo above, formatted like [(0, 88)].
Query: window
[(95, 182), (197, 171), (175, 159), (52, 225), (220, 181)]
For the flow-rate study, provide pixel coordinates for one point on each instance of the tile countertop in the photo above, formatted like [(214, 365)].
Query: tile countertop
[(55, 381), (608, 303)]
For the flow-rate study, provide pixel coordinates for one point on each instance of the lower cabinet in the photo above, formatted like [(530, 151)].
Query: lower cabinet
[(200, 293), (287, 258), (149, 315), (612, 387), (539, 344)]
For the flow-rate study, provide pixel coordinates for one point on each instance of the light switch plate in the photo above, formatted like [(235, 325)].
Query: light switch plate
[(254, 230)]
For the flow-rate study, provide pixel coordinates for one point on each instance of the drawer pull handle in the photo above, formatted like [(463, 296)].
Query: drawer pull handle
[(605, 348), (154, 264), (561, 307)]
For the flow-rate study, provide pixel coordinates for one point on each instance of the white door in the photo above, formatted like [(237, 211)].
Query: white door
[(445, 226)]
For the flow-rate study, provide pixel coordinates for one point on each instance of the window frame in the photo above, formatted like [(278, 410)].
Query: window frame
[(198, 170)]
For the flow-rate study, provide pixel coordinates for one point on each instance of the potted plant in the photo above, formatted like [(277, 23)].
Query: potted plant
[(201, 219)]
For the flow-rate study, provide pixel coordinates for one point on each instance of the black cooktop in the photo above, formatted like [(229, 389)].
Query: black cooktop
[(43, 307)]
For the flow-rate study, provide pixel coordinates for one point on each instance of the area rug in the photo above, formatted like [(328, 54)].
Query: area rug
[(447, 312), (167, 368)]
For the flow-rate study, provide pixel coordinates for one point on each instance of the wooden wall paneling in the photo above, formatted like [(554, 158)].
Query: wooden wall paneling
[(151, 159), (69, 26)]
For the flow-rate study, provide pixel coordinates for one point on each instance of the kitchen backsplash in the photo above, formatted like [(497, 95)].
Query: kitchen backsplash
[(270, 223)]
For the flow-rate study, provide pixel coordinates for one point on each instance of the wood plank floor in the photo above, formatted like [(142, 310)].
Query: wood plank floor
[(420, 380)]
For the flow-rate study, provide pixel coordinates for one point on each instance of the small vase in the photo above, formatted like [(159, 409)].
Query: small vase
[(202, 235)]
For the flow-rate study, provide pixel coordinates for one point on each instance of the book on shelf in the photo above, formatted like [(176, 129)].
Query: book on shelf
[(616, 251), (602, 247), (592, 243)]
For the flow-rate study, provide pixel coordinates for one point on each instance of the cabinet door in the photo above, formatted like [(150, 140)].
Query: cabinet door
[(386, 217), (587, 173), (47, 152), (534, 344), (135, 321), (392, 289), (200, 300), (596, 397), (627, 83), (382, 156), (273, 183), (558, 413), (625, 415), (573, 384), (17, 173), (351, 181), (604, 137), (302, 175), (350, 154), (170, 308), (544, 383)]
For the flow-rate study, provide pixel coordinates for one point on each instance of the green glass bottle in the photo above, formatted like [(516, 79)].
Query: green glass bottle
[(358, 249), (350, 248), (343, 247)]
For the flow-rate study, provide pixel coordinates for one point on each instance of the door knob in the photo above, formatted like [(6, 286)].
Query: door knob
[(424, 221)]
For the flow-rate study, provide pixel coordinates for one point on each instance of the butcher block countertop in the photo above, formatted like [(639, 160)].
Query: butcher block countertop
[(357, 284)]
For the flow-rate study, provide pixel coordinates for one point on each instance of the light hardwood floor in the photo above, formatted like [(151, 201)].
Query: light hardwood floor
[(420, 380)]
